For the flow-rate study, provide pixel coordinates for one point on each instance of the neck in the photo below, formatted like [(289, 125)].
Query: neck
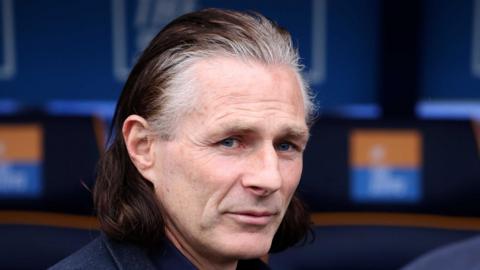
[(202, 262)]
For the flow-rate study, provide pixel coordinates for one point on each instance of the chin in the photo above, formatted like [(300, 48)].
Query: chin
[(250, 246)]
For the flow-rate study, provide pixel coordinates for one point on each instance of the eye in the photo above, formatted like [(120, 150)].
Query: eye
[(229, 142), (284, 147)]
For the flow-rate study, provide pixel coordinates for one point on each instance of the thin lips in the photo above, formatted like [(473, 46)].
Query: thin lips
[(254, 213)]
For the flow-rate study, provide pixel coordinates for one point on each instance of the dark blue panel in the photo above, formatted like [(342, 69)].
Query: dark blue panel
[(69, 50), (63, 51), (447, 71)]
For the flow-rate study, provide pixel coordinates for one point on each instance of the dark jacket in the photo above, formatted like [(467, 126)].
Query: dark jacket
[(105, 253)]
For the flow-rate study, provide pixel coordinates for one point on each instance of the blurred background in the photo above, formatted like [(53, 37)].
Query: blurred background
[(393, 165)]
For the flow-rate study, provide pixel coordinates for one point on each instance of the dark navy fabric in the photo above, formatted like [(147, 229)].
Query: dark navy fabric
[(168, 257), (464, 255), (104, 253)]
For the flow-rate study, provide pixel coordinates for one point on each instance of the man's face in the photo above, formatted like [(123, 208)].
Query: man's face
[(226, 178)]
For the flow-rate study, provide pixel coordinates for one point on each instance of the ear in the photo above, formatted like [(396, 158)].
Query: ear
[(140, 144)]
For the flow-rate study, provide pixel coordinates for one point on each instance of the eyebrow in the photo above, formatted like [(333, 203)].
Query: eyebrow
[(296, 133), (292, 132), (237, 128)]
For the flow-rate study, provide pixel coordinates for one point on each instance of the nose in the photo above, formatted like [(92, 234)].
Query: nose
[(263, 176)]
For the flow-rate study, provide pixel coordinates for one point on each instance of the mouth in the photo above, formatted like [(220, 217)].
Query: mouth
[(256, 218)]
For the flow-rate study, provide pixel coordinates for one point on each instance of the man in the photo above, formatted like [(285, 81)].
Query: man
[(206, 151)]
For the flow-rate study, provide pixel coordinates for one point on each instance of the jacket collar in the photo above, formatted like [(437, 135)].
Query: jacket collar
[(130, 256), (127, 256)]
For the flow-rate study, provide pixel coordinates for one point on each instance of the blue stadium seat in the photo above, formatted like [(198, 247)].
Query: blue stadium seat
[(46, 172), (63, 170), (386, 232)]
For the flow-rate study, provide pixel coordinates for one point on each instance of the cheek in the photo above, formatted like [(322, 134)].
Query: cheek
[(195, 183), (219, 184), (291, 172), (175, 185), (219, 175)]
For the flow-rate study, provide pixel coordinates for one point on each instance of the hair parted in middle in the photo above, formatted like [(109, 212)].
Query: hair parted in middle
[(160, 89)]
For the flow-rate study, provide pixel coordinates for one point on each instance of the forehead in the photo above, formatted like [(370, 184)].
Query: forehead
[(230, 75), (230, 88)]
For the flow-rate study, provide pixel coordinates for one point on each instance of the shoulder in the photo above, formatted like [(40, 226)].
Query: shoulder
[(461, 255), (106, 253), (92, 256)]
